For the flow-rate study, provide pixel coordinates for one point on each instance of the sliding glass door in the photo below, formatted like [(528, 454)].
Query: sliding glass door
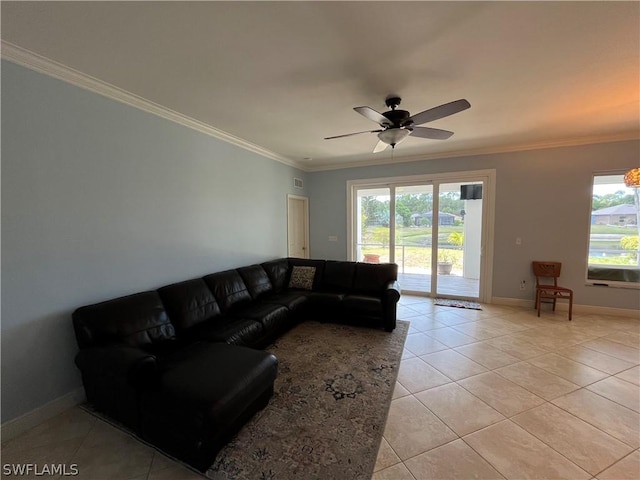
[(373, 225), (459, 244), (414, 236), (434, 228)]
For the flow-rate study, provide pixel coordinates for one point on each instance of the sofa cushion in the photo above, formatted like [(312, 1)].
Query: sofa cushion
[(372, 279), (338, 276), (234, 331), (270, 315), (291, 300), (189, 303), (363, 305), (228, 289), (137, 320), (277, 271), (219, 380), (256, 280)]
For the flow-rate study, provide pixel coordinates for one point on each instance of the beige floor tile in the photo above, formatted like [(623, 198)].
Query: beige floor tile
[(74, 423), (630, 339), (486, 355), (517, 347), (500, 393), (449, 317), (626, 469), (574, 372), (479, 330), (615, 349), (405, 313), (453, 405), (174, 472), (552, 341), (397, 472), (583, 444), (56, 453), (386, 457), (423, 323), (453, 365), (608, 416), (407, 354), (421, 344), (416, 375), (453, 461), (620, 391), (450, 337), (425, 307), (399, 391), (542, 383), (517, 454), (632, 375), (109, 453), (594, 359), (412, 429)]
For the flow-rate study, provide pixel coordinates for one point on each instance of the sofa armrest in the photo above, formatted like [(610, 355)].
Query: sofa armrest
[(137, 366), (390, 298), (391, 292)]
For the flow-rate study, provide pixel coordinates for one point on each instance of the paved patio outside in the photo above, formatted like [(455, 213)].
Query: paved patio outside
[(447, 284)]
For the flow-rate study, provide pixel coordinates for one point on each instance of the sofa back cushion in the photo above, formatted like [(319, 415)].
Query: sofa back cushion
[(338, 276), (138, 320), (373, 278), (277, 271), (189, 303), (256, 280), (228, 289)]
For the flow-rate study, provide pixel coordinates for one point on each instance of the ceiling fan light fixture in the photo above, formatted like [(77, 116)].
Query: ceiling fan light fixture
[(393, 136)]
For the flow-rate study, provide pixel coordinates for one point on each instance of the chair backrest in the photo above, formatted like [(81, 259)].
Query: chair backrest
[(546, 270)]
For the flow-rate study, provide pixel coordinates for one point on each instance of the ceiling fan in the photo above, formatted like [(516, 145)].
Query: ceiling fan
[(396, 125)]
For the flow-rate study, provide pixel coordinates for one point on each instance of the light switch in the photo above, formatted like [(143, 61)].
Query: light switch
[(333, 238), (518, 241)]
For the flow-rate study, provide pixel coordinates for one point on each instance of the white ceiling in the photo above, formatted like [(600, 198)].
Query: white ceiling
[(284, 75)]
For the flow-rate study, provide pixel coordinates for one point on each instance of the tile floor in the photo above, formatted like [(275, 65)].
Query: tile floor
[(501, 393), (497, 393)]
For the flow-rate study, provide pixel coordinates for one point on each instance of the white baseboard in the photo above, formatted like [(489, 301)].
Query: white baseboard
[(564, 306), (15, 427)]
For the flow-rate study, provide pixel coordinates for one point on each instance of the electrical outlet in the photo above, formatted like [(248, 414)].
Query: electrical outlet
[(523, 284)]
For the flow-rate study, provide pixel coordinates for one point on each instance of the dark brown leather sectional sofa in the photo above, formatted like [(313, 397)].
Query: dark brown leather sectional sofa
[(182, 366)]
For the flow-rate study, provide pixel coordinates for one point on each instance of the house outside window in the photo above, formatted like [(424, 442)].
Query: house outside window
[(614, 253)]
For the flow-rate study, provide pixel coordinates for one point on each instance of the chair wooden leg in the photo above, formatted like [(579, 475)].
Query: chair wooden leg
[(538, 302), (554, 304), (570, 304)]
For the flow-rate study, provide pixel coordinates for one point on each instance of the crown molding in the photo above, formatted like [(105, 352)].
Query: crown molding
[(571, 142), (51, 68), (46, 66)]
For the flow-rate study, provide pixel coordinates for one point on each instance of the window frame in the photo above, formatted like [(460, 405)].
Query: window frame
[(604, 282)]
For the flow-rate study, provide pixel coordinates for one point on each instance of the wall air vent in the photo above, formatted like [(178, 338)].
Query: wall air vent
[(298, 183)]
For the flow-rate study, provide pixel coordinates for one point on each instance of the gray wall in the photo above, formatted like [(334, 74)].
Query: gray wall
[(101, 200), (542, 196)]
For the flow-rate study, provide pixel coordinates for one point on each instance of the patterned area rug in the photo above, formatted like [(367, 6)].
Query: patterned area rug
[(447, 302), (328, 411)]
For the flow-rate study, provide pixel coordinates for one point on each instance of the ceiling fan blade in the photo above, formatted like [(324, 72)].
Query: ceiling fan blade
[(350, 134), (380, 146), (432, 133), (440, 112), (371, 114)]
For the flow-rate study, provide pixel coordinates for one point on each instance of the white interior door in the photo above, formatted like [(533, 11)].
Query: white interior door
[(298, 226)]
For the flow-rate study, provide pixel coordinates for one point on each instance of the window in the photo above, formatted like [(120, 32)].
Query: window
[(614, 254)]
